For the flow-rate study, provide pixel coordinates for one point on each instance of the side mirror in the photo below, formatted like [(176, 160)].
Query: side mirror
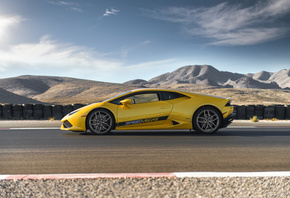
[(126, 101)]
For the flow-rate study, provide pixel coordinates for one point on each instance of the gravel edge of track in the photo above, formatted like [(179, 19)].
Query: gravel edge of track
[(149, 187)]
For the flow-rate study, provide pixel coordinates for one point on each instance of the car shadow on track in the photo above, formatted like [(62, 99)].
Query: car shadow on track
[(221, 133)]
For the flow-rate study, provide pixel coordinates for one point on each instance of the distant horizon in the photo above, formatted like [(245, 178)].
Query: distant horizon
[(137, 78)]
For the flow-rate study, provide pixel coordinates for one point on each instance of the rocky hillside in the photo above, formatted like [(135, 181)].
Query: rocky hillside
[(197, 74), (207, 75), (57, 90), (31, 85), (263, 75), (282, 78), (11, 98)]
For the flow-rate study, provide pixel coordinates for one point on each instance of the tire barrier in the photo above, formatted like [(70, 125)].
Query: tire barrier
[(287, 112), (28, 112), (259, 111), (37, 111), (17, 112), (77, 106), (280, 112), (57, 112), (47, 112), (67, 109), (1, 111), (7, 112), (269, 112), (241, 112), (250, 109)]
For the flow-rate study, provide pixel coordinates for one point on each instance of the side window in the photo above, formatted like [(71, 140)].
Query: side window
[(143, 98), (132, 99), (166, 95)]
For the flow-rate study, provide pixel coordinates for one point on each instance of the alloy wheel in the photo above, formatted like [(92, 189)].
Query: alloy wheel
[(100, 122), (207, 120)]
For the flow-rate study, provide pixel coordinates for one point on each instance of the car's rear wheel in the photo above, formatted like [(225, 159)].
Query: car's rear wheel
[(100, 121), (207, 120)]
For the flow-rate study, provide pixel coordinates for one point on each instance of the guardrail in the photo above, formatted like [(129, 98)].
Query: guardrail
[(56, 112)]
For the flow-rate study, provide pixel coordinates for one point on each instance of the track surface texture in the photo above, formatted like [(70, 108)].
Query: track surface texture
[(149, 187), (46, 151)]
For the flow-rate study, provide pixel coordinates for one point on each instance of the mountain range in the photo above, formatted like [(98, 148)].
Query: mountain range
[(56, 90), (64, 90), (209, 76)]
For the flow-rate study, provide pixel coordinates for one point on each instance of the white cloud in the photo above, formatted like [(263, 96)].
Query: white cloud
[(72, 6), (51, 57), (150, 69), (111, 12), (248, 36), (54, 57), (146, 42), (76, 9), (8, 21), (152, 64), (227, 24)]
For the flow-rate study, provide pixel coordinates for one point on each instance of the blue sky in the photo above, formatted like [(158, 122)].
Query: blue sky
[(116, 41)]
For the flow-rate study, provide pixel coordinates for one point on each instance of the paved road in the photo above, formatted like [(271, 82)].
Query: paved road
[(233, 149)]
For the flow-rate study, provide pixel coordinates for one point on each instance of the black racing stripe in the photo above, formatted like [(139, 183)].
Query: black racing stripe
[(163, 118), (146, 120)]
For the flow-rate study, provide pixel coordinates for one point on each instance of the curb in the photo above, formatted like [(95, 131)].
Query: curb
[(146, 175)]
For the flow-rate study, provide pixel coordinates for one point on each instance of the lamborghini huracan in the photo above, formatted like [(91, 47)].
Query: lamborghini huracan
[(152, 109)]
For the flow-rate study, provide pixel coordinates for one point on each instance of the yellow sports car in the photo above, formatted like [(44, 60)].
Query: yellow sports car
[(152, 109)]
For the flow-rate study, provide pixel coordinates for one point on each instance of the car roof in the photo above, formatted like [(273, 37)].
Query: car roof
[(153, 89), (144, 90), (190, 95), (158, 89), (169, 90)]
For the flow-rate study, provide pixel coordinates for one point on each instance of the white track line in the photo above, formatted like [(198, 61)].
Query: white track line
[(87, 176), (34, 128), (146, 175), (3, 177), (234, 174)]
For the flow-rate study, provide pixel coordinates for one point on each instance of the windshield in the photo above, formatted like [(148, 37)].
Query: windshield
[(117, 96)]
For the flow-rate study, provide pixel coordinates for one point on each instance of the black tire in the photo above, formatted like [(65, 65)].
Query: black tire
[(207, 120), (100, 121)]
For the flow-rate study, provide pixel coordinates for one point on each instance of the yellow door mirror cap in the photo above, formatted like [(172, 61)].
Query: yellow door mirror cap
[(126, 101)]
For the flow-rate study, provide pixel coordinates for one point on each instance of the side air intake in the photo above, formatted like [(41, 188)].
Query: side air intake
[(175, 123)]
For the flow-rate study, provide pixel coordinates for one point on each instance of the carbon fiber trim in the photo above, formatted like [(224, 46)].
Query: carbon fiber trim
[(67, 124)]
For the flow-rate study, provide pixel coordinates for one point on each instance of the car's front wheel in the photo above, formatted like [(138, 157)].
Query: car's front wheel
[(100, 121), (207, 120)]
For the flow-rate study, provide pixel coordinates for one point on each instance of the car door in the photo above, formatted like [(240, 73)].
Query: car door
[(145, 109)]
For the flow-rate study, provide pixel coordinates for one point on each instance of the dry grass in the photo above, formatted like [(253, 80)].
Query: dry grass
[(254, 119), (69, 93), (60, 90), (74, 94), (252, 96), (243, 96)]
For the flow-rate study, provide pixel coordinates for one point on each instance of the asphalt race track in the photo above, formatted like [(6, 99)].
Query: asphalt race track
[(52, 151)]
